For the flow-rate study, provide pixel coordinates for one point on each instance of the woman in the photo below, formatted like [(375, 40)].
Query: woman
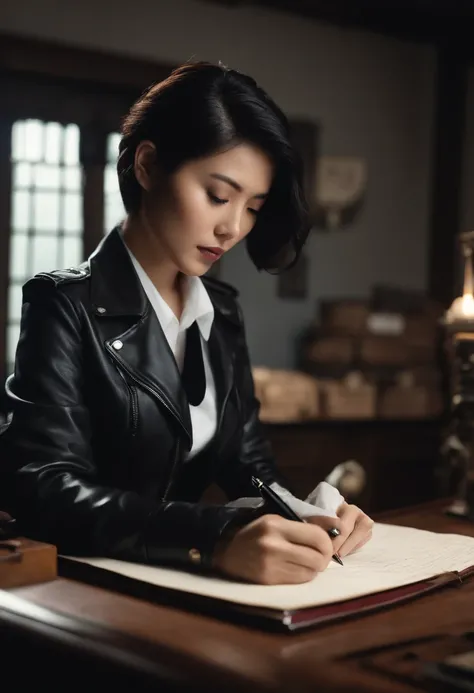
[(132, 389)]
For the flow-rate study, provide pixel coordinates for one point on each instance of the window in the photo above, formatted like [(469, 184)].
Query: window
[(46, 217), (54, 133), (114, 210)]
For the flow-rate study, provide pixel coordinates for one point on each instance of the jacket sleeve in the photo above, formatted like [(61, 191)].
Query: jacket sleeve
[(255, 457), (55, 492)]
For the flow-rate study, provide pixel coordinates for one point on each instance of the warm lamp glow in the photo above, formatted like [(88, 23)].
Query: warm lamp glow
[(462, 308), (468, 305)]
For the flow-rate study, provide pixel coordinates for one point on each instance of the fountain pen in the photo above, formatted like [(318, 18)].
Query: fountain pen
[(281, 508)]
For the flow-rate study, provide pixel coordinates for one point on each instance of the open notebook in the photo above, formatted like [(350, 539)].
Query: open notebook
[(399, 563)]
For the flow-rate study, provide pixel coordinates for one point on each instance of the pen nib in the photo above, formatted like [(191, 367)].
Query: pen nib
[(337, 558)]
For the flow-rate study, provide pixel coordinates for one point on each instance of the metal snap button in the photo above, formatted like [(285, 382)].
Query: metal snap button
[(117, 345), (101, 310), (194, 555)]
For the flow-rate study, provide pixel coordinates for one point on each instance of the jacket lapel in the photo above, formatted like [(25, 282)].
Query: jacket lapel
[(222, 343), (141, 350), (139, 347), (222, 368)]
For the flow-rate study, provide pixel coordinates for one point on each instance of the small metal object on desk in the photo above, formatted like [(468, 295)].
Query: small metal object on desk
[(458, 446)]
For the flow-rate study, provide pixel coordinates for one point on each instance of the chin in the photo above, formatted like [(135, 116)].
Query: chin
[(194, 269)]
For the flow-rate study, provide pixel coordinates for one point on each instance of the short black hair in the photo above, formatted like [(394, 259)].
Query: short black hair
[(202, 108)]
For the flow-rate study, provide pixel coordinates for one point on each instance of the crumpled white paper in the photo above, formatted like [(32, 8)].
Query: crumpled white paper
[(325, 500)]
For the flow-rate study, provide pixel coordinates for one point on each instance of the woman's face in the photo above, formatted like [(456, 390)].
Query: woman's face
[(206, 207)]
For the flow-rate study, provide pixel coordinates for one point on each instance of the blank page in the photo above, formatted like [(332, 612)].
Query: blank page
[(395, 556)]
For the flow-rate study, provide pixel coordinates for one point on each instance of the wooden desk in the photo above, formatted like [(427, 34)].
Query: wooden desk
[(194, 652)]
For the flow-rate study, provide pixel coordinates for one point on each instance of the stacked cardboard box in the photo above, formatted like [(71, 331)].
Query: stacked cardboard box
[(351, 397), (390, 342), (285, 395)]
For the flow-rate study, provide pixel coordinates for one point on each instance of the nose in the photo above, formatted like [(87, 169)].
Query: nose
[(229, 227)]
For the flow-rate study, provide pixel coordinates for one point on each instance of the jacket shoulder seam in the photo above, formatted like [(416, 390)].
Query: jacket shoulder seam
[(62, 277)]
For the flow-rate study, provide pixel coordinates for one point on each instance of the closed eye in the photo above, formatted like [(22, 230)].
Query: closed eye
[(216, 200), (220, 201)]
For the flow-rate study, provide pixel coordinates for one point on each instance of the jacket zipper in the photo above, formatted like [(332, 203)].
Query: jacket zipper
[(134, 426), (172, 411), (155, 394), (132, 391), (134, 408)]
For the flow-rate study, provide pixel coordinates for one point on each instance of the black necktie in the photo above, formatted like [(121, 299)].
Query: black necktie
[(193, 376)]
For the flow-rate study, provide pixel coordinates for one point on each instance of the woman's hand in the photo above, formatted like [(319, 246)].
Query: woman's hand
[(354, 525), (273, 551)]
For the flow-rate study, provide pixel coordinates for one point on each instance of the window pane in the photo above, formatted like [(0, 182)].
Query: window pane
[(46, 211), (72, 251), (72, 213), (18, 141), (113, 213), (53, 140), (47, 176), (44, 253), (22, 175), (14, 299), (46, 207), (72, 178), (33, 140), (71, 145), (112, 147), (18, 256), (114, 210), (110, 180), (20, 210)]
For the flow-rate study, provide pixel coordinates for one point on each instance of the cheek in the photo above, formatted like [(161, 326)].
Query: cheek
[(192, 211)]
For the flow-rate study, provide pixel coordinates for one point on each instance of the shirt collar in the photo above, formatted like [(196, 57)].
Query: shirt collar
[(197, 307), (197, 304)]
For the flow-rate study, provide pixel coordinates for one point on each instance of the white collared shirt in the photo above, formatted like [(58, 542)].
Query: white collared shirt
[(197, 307)]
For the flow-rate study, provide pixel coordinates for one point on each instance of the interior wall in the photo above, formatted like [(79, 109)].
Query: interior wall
[(371, 95)]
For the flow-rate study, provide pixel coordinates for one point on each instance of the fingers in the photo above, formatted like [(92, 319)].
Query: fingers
[(304, 533), (303, 550), (312, 559), (363, 542), (325, 522), (272, 550), (356, 529)]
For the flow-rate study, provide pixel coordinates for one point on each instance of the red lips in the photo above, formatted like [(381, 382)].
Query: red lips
[(216, 251)]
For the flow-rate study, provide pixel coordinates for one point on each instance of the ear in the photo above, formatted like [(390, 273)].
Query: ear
[(145, 164)]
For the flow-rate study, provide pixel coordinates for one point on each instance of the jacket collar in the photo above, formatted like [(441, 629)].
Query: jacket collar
[(115, 287), (141, 349)]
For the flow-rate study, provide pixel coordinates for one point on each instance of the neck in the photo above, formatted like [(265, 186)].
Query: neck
[(147, 249)]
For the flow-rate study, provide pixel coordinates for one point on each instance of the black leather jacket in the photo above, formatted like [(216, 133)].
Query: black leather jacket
[(95, 448)]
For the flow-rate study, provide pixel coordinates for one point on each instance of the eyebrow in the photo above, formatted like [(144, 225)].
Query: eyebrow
[(233, 183)]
